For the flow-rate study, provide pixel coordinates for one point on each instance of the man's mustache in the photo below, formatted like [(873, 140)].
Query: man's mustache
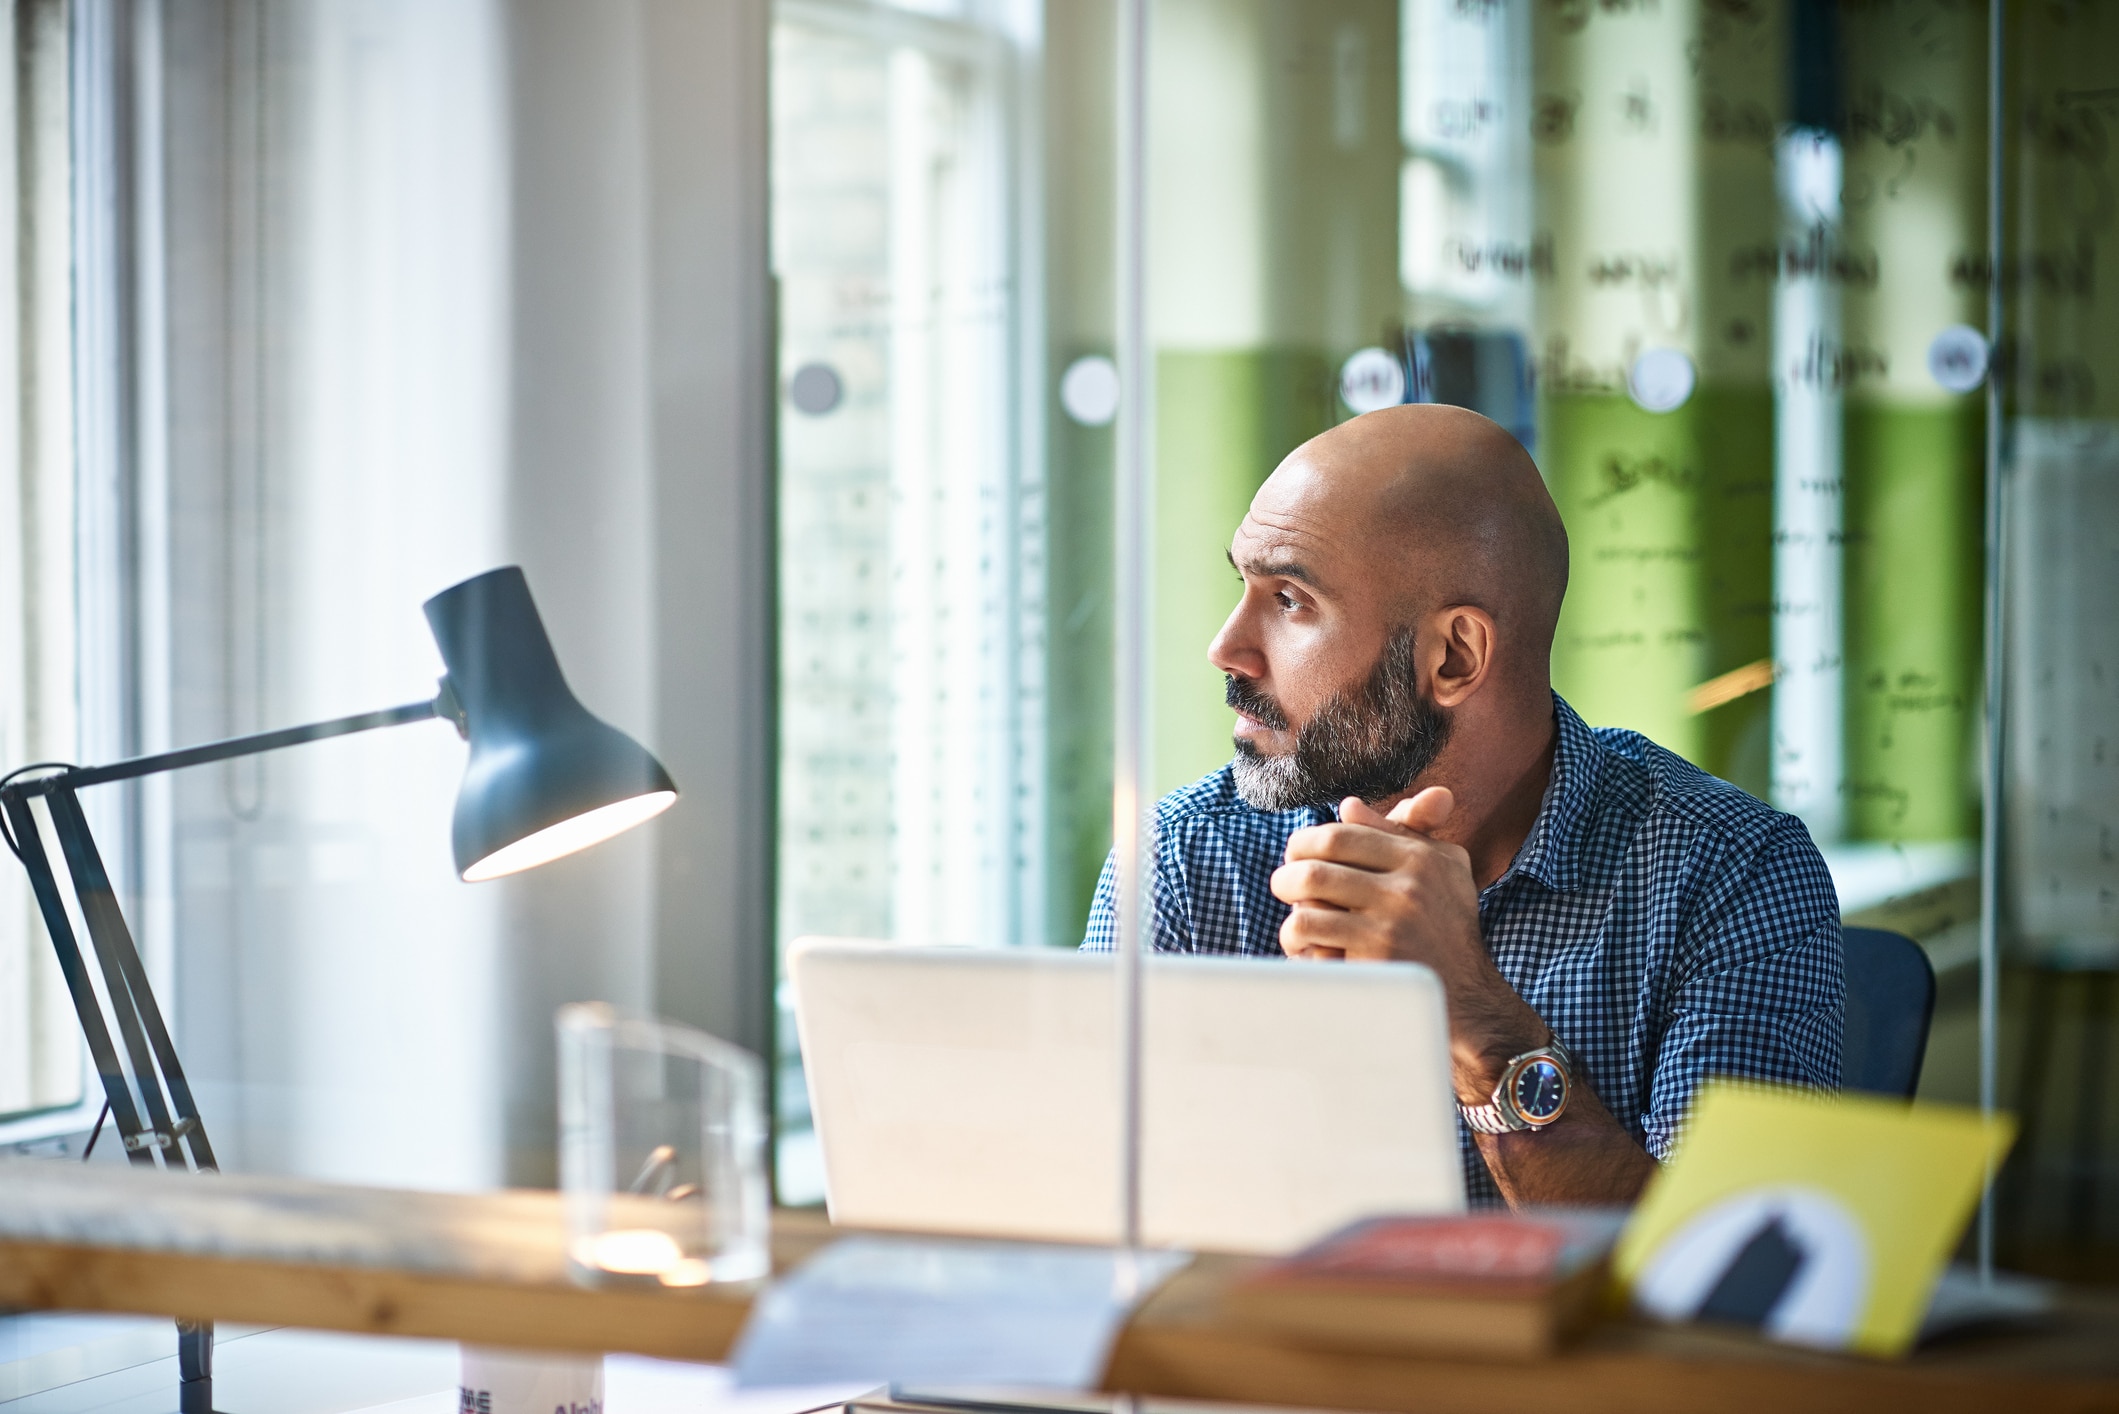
[(1251, 700)]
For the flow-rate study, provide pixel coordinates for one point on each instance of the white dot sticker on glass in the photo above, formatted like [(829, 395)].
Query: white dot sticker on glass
[(1661, 379), (1957, 358), (1089, 390), (1372, 379), (815, 389)]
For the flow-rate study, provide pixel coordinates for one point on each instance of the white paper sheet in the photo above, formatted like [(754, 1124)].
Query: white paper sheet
[(938, 1312), (635, 1384)]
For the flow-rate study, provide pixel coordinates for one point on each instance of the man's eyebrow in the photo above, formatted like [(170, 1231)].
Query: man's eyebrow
[(1276, 569)]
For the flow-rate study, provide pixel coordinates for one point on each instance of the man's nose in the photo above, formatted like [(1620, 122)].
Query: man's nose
[(1235, 650)]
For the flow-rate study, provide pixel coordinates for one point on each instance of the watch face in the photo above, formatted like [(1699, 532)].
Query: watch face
[(1539, 1091)]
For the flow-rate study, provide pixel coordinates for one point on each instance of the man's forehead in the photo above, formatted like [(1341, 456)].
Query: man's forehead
[(1297, 499), (1263, 526), (1263, 533), (1300, 511), (1272, 545)]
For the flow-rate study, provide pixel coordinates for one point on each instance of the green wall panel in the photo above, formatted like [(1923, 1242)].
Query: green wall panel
[(1223, 421), (1913, 564), (1670, 528), (1078, 672)]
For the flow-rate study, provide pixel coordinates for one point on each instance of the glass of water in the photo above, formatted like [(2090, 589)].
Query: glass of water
[(661, 1152)]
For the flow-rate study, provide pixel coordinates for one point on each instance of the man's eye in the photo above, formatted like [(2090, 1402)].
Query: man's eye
[(1285, 599)]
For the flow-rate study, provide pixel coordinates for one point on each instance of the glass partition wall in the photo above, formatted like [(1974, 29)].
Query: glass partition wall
[(1725, 269), (2058, 368), (910, 529)]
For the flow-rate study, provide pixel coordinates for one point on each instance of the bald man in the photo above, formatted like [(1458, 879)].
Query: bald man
[(1611, 925)]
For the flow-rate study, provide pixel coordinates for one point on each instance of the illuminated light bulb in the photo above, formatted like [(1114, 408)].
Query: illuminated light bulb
[(566, 837), (636, 1251)]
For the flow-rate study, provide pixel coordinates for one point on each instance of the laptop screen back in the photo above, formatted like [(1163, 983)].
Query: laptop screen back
[(976, 1091)]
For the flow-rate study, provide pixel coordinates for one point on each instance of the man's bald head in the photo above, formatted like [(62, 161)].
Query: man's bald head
[(1443, 507), (1402, 578)]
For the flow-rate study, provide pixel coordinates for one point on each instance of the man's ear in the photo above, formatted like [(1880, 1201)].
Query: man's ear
[(1465, 633)]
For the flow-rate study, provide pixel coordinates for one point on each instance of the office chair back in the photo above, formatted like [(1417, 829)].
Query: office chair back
[(1890, 1000)]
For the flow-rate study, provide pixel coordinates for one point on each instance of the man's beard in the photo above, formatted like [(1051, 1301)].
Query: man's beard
[(1370, 741)]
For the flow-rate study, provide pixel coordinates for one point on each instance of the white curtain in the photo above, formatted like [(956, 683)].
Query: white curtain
[(41, 1066), (435, 306)]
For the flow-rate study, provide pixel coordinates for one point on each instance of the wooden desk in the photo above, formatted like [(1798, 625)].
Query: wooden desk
[(491, 1269), (1178, 1345), (487, 1268)]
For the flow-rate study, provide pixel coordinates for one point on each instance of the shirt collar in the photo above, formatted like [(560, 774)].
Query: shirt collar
[(1552, 852)]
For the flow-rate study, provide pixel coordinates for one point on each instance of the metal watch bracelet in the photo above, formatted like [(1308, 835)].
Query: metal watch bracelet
[(1499, 1115)]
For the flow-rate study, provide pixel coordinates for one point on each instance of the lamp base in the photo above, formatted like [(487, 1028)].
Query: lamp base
[(195, 1367)]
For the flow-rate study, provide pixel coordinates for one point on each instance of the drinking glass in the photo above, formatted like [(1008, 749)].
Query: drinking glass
[(661, 1151)]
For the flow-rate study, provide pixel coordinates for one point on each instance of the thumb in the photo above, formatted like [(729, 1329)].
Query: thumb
[(1419, 814), (1425, 812), (1356, 811)]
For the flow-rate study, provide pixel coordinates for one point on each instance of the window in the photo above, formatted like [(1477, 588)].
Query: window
[(41, 1066), (909, 580)]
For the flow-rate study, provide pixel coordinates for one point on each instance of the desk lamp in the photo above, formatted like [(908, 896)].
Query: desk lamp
[(545, 779)]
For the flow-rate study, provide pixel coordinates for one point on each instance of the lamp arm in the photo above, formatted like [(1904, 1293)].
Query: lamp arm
[(80, 776), (172, 1120)]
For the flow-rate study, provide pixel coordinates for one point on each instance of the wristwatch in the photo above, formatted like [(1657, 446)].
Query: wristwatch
[(1533, 1092)]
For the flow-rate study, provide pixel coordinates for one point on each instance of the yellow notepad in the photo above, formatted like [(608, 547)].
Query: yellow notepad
[(1822, 1219)]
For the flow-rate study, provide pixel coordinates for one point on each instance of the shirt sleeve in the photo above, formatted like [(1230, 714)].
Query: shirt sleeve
[(1172, 929), (1103, 910), (1765, 998)]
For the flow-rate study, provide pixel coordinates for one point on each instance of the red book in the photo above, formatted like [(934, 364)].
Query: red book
[(1500, 1285)]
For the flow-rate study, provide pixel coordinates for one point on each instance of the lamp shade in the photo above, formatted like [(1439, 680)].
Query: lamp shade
[(546, 777)]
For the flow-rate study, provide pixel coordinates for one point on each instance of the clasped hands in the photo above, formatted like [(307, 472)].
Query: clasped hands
[(1372, 887)]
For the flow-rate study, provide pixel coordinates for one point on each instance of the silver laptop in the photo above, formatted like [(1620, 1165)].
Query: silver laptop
[(975, 1091)]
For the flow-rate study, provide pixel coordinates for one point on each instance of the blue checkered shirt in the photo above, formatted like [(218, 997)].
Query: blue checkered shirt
[(1665, 924)]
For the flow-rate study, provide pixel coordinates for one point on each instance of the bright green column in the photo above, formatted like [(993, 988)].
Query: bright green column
[(1914, 453), (1079, 128), (1272, 255), (1670, 519), (1913, 558), (1223, 422), (1077, 671), (1654, 188), (1272, 240)]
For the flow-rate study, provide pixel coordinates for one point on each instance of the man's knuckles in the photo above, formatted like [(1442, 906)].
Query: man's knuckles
[(1315, 923), (1295, 881), (1343, 843), (1308, 877), (1296, 940), (1408, 892)]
